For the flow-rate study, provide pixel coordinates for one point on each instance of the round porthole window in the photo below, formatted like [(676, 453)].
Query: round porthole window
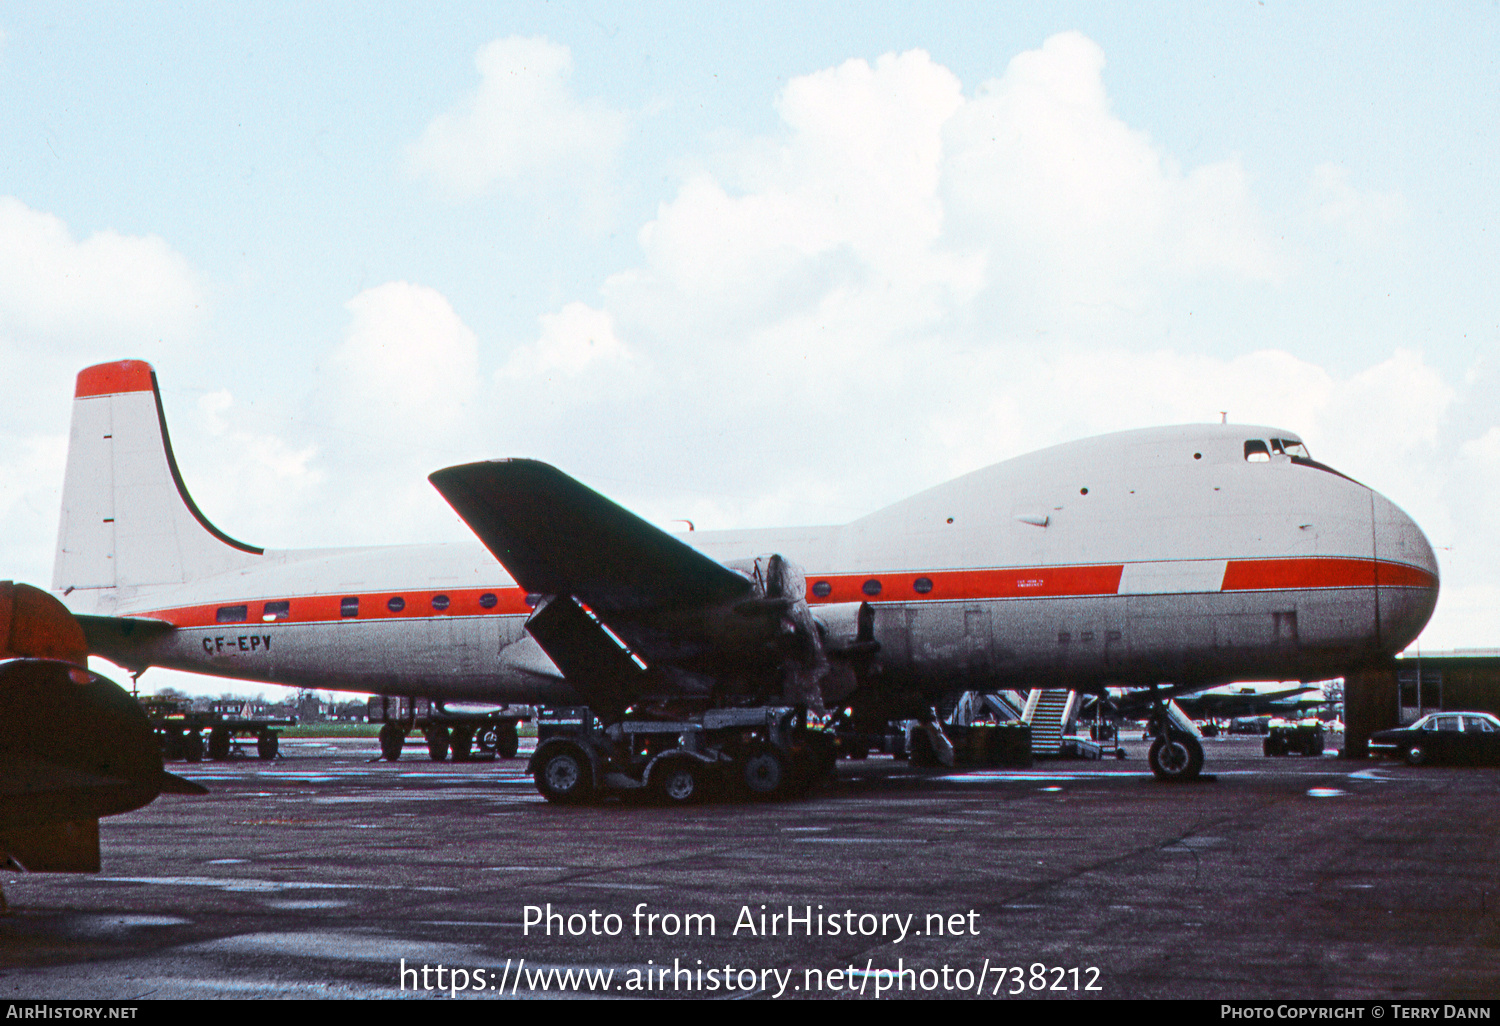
[(922, 585), (440, 602), (871, 587), (396, 604), (488, 600), (822, 589)]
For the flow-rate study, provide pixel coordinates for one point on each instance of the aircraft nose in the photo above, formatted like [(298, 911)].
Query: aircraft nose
[(1408, 575)]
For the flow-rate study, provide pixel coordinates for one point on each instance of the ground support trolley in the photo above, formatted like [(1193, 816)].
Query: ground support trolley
[(181, 731), (756, 753), (469, 733), (1285, 738)]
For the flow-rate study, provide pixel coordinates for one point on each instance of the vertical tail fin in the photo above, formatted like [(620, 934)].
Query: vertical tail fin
[(127, 520)]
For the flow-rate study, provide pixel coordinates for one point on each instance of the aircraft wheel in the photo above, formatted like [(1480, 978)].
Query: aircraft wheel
[(564, 776), (763, 771), (392, 738), (1416, 755), (218, 744), (680, 781), (267, 745), (507, 741), (437, 743), (814, 760), (1179, 757), (463, 739), (192, 747)]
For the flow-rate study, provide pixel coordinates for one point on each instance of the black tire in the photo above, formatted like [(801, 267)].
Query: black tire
[(507, 741), (267, 745), (1416, 754), (819, 759), (437, 743), (218, 744), (564, 776), (192, 747), (485, 740), (463, 739), (1176, 758), (763, 771), (679, 781), (392, 738)]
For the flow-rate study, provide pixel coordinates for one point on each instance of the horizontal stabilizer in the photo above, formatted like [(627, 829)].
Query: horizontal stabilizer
[(558, 537), (120, 638), (114, 630)]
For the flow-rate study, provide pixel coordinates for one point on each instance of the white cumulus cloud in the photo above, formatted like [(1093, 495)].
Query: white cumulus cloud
[(406, 359), (521, 125), (573, 340), (1080, 206), (54, 285)]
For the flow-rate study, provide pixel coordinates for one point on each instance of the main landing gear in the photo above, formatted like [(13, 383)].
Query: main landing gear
[(1176, 748)]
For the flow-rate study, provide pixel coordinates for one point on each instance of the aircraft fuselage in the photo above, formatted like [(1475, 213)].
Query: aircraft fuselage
[(1167, 554)]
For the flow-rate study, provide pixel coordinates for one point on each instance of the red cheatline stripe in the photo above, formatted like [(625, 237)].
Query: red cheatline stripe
[(1014, 582), (372, 606), (113, 378), (1274, 574)]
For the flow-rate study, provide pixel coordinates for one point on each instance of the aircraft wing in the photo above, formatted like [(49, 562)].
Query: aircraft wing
[(1221, 705), (559, 537), (624, 609)]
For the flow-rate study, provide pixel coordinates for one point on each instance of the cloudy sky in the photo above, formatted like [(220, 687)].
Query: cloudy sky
[(746, 264)]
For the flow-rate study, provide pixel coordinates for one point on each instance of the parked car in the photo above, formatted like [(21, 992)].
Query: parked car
[(1462, 737)]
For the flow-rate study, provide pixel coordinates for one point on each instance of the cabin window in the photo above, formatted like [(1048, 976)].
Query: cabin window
[(922, 585), (822, 589), (272, 611), (1256, 451), (871, 587), (232, 614), (349, 606), (396, 604), (440, 602), (488, 600), (533, 599)]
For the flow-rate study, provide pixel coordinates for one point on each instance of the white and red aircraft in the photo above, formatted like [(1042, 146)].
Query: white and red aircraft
[(1191, 556)]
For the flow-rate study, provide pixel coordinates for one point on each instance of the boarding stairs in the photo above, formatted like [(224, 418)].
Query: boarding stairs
[(1049, 712)]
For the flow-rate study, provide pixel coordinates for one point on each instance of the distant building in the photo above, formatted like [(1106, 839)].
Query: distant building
[(1464, 678)]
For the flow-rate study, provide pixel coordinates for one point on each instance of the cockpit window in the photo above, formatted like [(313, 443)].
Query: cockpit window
[(1291, 447), (1256, 451)]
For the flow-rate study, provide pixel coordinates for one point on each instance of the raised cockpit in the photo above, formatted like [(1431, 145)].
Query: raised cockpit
[(1261, 450)]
